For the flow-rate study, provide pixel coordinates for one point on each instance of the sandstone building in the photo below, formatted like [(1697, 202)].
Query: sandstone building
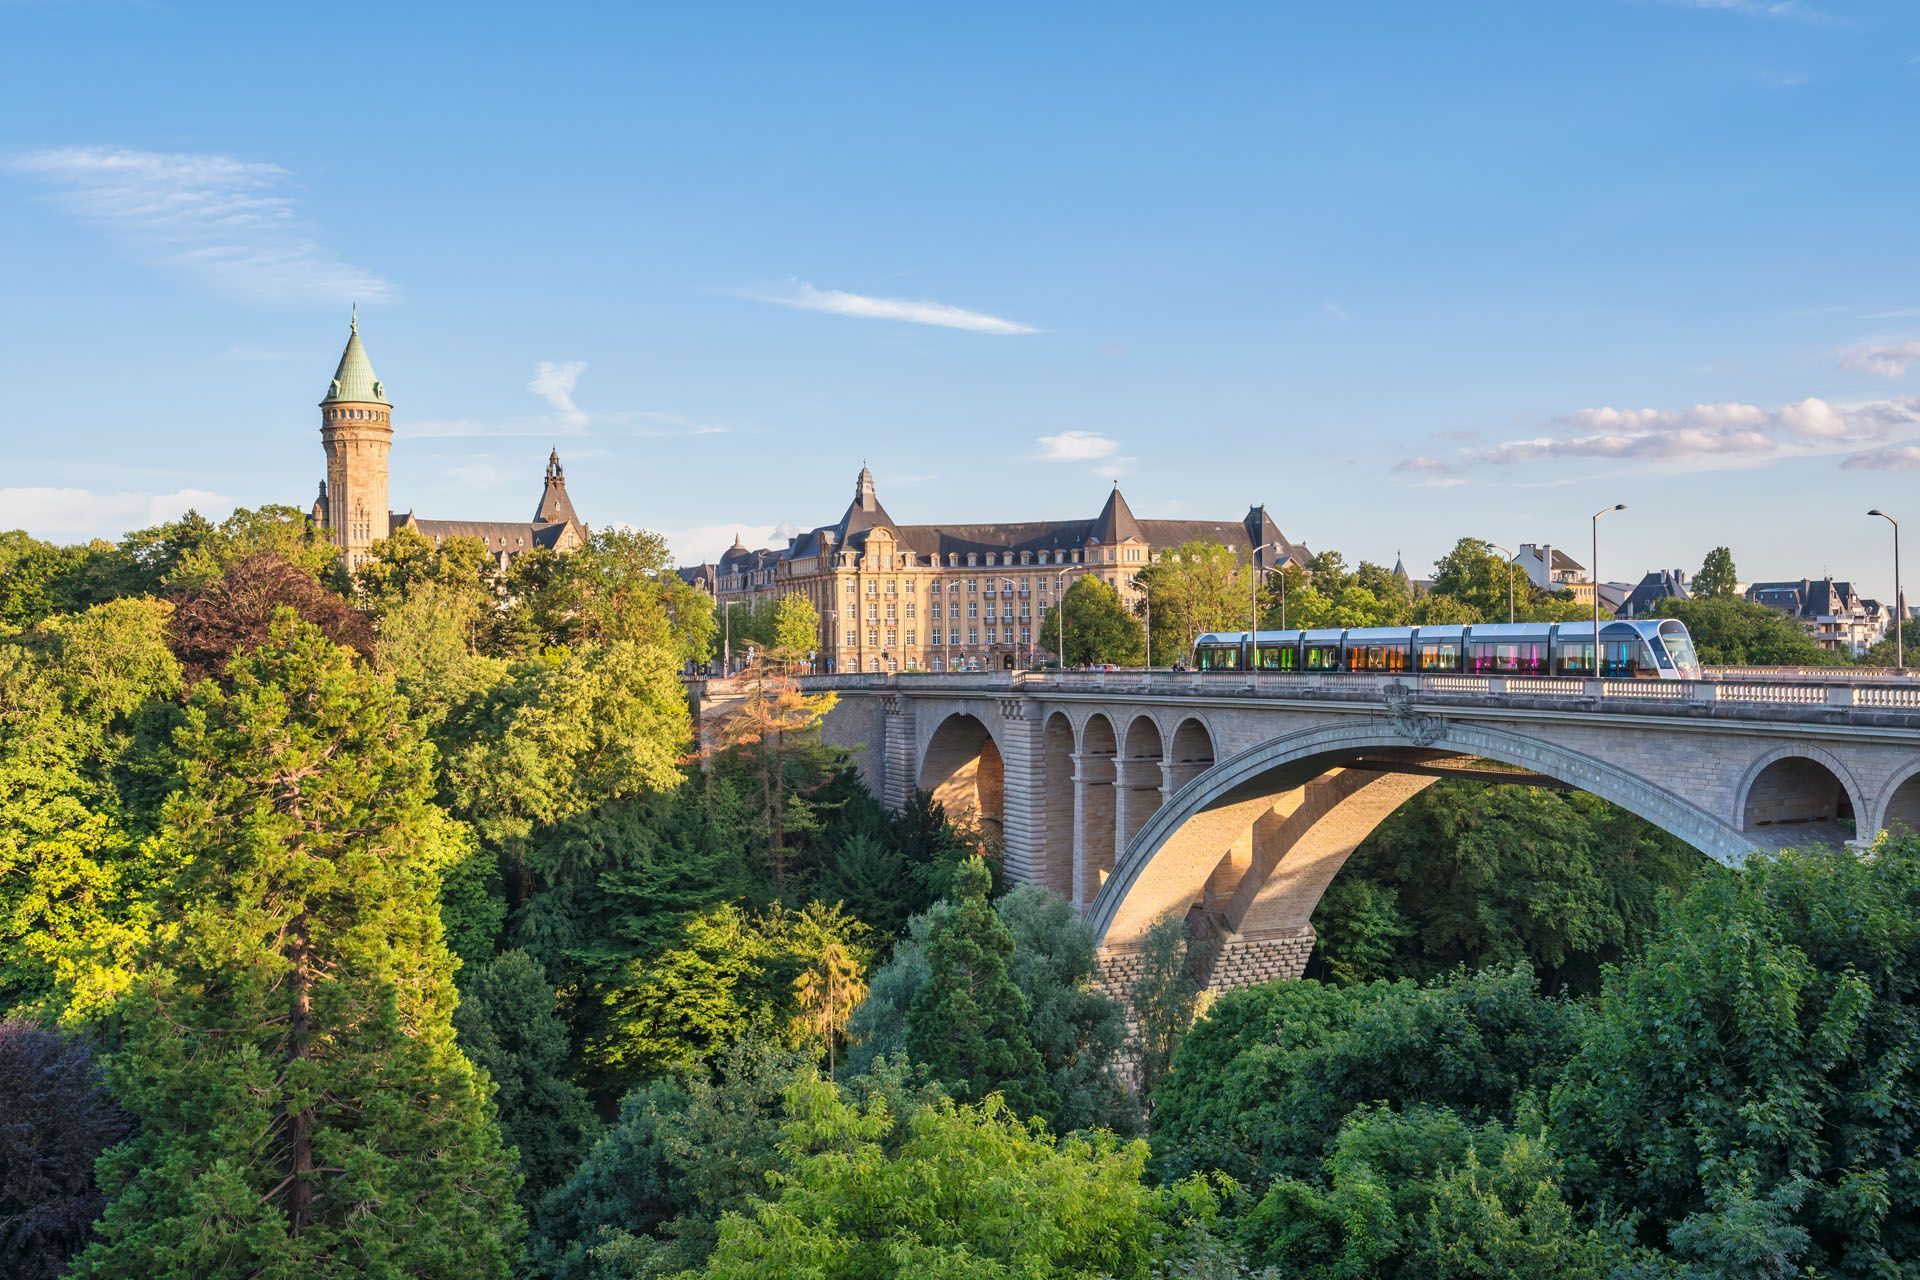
[(356, 430), (906, 597)]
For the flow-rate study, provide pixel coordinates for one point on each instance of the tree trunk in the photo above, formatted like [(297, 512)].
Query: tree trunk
[(300, 1123)]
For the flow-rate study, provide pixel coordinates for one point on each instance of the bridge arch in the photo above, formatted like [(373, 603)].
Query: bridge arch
[(1093, 819), (1055, 809), (1900, 803), (1312, 812), (962, 767), (1795, 786)]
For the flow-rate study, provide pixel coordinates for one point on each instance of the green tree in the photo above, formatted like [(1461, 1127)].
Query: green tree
[(509, 1025), (1259, 1087), (1165, 997), (290, 1053), (869, 1193), (1192, 589), (1098, 626), (1716, 579), (86, 703), (796, 629), (1743, 1087), (1077, 1030), (1737, 633), (558, 736), (968, 1023), (623, 587), (773, 736), (1491, 874), (405, 561), (1426, 1195)]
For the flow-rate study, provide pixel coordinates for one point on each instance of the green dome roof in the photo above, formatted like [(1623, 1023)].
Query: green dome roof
[(354, 380)]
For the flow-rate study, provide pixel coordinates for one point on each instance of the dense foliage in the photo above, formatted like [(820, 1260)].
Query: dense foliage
[(401, 926), (1487, 873)]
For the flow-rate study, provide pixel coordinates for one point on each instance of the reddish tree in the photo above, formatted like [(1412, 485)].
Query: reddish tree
[(234, 612), (55, 1120)]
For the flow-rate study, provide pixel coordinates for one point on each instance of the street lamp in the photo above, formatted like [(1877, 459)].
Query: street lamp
[(1511, 557), (1618, 506), (1899, 600), (726, 643), (1146, 596), (1254, 570)]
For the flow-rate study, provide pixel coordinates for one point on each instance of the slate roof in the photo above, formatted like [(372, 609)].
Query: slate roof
[(1115, 524)]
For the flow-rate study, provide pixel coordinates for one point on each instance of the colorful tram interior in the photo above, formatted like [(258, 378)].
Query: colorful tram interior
[(1646, 649)]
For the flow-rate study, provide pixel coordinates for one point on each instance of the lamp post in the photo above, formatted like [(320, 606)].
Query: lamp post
[(1899, 600), (1146, 595), (1511, 557), (1618, 506), (1254, 570), (726, 642)]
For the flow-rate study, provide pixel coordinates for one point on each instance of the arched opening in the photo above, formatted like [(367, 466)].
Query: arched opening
[(1093, 803), (1139, 780), (1056, 806), (963, 771), (1797, 799), (1256, 839), (1902, 813)]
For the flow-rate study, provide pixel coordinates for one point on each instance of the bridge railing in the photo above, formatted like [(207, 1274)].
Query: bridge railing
[(1791, 691)]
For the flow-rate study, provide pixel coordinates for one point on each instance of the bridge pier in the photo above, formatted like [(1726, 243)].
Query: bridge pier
[(1093, 823)]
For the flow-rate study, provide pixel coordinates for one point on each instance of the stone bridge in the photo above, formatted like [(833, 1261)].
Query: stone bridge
[(1234, 802)]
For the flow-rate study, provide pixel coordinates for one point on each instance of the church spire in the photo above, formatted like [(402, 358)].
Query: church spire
[(555, 507)]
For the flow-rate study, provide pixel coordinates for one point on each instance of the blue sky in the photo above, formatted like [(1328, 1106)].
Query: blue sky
[(1400, 271)]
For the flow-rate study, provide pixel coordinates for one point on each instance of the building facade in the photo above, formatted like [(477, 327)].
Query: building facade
[(894, 597), (356, 432), (1831, 610)]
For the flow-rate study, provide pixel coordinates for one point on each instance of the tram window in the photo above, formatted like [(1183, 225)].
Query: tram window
[(1376, 657), (1574, 659), (1323, 657), (1628, 658), (1278, 658), (1438, 655), (1219, 658), (1507, 657)]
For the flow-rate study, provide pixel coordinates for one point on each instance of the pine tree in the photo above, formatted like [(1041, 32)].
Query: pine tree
[(509, 1025), (289, 1052), (968, 1023)]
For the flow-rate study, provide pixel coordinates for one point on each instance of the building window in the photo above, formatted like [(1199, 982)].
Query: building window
[(893, 611), (873, 613), (873, 639), (973, 635), (893, 638), (973, 609), (934, 613), (913, 638), (953, 637), (913, 663), (1026, 636)]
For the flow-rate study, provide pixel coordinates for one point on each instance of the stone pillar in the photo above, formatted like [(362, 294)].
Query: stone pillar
[(1024, 797), (1137, 784), (1093, 823), (899, 773), (1249, 959)]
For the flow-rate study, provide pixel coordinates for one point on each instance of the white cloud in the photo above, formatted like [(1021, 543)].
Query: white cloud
[(1789, 9), (1711, 435), (554, 383), (839, 303), (704, 544), (48, 512), (1335, 310), (1076, 446), (1904, 458), (1888, 359), (232, 223)]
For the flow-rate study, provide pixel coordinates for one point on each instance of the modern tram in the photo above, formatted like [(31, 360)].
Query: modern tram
[(1644, 649)]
